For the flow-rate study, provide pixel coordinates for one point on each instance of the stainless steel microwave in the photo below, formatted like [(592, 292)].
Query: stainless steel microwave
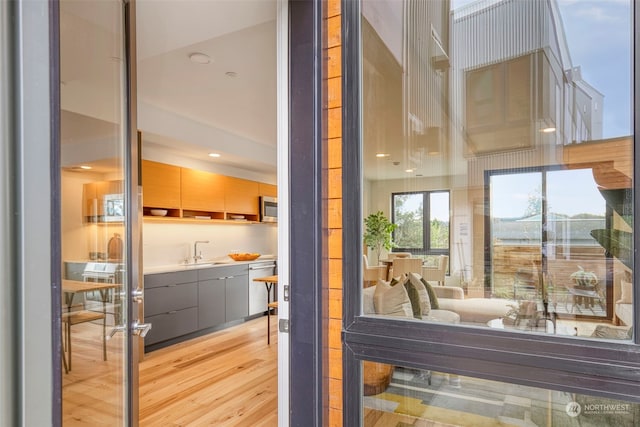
[(113, 210), (268, 209)]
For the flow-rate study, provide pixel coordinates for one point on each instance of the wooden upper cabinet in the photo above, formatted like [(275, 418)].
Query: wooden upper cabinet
[(241, 196), (160, 185), (268, 190), (202, 191), (93, 194)]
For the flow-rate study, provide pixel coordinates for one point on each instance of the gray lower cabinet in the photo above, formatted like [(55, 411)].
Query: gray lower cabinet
[(237, 297), (171, 305), (224, 295), (182, 302), (211, 302)]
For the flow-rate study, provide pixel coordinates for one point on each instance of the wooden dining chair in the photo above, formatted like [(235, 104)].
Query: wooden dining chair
[(371, 274), (406, 266), (70, 318), (272, 307), (437, 273)]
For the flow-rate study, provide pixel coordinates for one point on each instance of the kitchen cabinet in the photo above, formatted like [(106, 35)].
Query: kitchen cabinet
[(211, 302), (203, 193), (267, 190), (93, 197), (223, 295), (241, 197), (171, 305), (191, 194), (161, 186)]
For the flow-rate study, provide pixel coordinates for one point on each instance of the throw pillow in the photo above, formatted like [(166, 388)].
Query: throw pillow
[(425, 302), (367, 300), (626, 292), (391, 300), (433, 298), (414, 297)]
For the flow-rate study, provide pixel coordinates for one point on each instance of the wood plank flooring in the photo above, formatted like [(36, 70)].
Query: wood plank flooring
[(228, 378)]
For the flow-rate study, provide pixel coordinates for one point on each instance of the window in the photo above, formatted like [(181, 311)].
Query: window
[(422, 220), (543, 295)]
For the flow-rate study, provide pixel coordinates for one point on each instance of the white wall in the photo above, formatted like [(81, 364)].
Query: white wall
[(166, 244)]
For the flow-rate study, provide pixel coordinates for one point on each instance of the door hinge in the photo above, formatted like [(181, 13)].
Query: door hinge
[(283, 325), (286, 292)]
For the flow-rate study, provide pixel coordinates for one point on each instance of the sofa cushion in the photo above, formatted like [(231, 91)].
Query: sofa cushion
[(477, 310), (391, 300), (433, 297), (624, 312), (425, 301), (367, 300), (414, 296), (442, 316), (626, 292)]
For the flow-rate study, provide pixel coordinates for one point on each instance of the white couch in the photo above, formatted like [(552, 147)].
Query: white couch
[(440, 315), (472, 310)]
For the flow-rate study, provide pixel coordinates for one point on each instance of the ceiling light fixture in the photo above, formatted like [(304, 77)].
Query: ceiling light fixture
[(231, 74), (548, 130), (199, 58), (214, 154), (380, 155), (86, 167), (409, 170)]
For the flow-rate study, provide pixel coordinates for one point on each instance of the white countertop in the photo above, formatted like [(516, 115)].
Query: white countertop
[(203, 264)]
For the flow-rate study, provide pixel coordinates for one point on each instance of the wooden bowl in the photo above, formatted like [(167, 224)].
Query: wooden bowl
[(243, 256)]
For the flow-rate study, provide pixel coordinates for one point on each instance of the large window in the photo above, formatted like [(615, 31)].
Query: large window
[(507, 149), (422, 221)]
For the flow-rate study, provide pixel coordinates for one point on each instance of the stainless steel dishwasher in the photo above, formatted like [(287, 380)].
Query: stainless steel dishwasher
[(257, 290)]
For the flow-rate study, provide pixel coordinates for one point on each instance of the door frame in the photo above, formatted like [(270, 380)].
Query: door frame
[(307, 180)]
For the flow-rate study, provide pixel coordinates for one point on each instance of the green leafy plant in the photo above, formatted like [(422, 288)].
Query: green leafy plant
[(584, 278), (378, 232)]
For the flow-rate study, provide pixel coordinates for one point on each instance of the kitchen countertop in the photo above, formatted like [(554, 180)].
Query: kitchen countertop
[(203, 264)]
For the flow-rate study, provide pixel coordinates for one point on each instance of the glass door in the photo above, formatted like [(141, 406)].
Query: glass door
[(98, 211)]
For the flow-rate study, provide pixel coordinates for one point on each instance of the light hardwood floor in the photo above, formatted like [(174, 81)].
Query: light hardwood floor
[(228, 378)]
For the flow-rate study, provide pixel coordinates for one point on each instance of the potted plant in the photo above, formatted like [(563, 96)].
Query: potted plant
[(584, 279), (377, 233)]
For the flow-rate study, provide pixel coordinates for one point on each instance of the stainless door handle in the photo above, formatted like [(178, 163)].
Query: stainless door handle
[(137, 296), (141, 329), (112, 332)]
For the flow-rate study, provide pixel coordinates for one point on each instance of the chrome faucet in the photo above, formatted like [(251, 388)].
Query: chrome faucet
[(197, 256)]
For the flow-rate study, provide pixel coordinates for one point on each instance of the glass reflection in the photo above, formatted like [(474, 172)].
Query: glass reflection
[(398, 396), (93, 126), (504, 152)]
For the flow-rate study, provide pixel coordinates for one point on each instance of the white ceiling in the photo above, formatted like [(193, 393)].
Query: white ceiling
[(186, 109), (195, 109)]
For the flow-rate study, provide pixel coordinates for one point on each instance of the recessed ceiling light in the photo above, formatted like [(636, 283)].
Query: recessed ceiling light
[(199, 58), (231, 74), (214, 154), (409, 170), (548, 130), (86, 167), (383, 154)]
